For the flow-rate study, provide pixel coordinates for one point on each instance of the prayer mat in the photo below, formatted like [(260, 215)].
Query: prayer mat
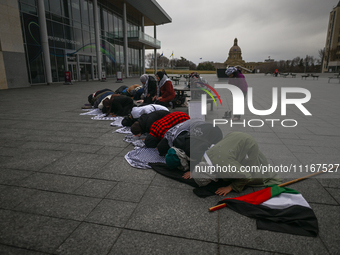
[(103, 117), (95, 111), (124, 130), (117, 122), (137, 141), (140, 158)]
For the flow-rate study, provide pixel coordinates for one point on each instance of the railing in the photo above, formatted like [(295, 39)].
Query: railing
[(142, 36)]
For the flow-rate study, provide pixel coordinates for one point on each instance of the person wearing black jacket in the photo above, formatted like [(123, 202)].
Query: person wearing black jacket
[(118, 106), (145, 122), (149, 88)]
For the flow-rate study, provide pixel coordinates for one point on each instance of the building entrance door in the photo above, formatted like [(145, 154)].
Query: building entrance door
[(85, 71), (95, 71), (72, 67)]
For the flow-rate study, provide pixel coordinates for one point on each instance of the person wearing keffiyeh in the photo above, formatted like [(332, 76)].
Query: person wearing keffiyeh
[(165, 90), (149, 87), (161, 126)]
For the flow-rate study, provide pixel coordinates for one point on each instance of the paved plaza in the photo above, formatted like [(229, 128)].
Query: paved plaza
[(65, 187)]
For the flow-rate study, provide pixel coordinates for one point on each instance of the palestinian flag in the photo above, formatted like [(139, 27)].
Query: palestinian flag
[(277, 209)]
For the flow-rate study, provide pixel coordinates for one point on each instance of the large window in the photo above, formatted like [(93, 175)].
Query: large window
[(70, 29)]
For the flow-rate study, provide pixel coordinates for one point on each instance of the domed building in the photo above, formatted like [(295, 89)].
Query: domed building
[(235, 56), (235, 59)]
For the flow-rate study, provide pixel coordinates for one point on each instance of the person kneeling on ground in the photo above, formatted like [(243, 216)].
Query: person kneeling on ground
[(149, 88), (160, 127), (145, 122), (138, 111), (165, 90), (117, 106), (131, 91), (236, 150)]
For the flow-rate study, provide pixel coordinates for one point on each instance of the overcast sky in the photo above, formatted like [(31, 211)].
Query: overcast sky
[(281, 29)]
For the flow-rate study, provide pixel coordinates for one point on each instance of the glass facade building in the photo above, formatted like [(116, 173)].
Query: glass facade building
[(71, 33)]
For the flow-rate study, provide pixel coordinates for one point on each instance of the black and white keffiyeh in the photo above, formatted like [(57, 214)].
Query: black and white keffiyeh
[(140, 158)]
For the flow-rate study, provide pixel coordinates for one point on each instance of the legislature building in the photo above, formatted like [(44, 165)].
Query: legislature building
[(235, 59), (42, 39)]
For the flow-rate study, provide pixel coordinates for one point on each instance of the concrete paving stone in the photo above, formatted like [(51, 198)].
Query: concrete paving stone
[(11, 151), (308, 159), (32, 159), (119, 170), (290, 130), (91, 128), (89, 239), (135, 242), (95, 188), (110, 139), (287, 136), (78, 133), (52, 182), (33, 232), (129, 148), (300, 148), (330, 183), (170, 211), (331, 131), (326, 150), (9, 250), (59, 205), (48, 138), (162, 181), (265, 128), (109, 150), (6, 123), (12, 196), (10, 143), (78, 164), (126, 191), (311, 142), (225, 249), (10, 136), (3, 187), (286, 162), (75, 147), (238, 230), (319, 194), (40, 146), (268, 140), (329, 228), (111, 213), (275, 150), (30, 124), (326, 124), (319, 138), (34, 132), (268, 135), (12, 176), (335, 193)]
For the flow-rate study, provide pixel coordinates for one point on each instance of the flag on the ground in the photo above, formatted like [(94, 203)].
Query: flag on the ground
[(171, 55), (160, 55), (277, 209)]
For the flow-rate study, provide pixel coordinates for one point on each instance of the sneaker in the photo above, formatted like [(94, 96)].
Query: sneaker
[(171, 105)]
